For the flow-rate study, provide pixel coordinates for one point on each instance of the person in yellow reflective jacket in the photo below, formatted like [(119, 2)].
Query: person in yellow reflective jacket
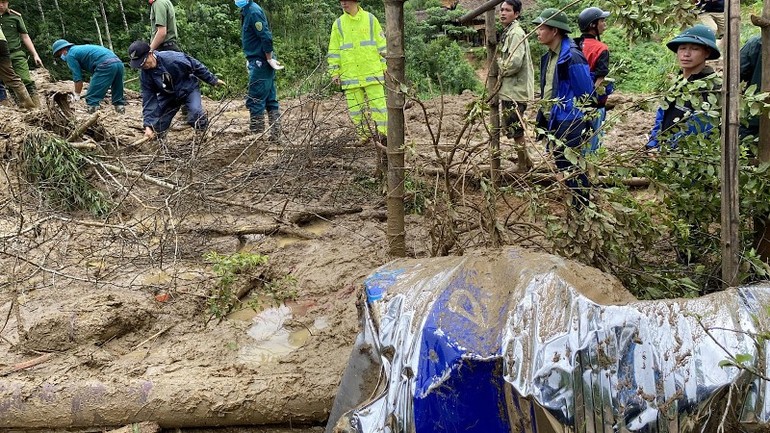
[(356, 60)]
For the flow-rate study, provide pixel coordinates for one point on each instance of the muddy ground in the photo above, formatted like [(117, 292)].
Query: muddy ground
[(105, 321)]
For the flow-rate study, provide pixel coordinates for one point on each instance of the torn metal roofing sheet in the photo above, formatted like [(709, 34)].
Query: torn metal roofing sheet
[(516, 341)]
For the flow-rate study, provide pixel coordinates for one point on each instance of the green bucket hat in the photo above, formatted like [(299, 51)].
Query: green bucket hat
[(554, 18), (699, 35)]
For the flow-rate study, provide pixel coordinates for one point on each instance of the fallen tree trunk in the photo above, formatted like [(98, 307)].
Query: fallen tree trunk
[(309, 215), (176, 399), (80, 130), (252, 230), (536, 176)]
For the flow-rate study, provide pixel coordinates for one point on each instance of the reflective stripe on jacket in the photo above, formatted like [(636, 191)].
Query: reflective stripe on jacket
[(356, 50)]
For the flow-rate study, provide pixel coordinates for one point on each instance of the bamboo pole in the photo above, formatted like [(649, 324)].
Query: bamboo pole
[(730, 151)]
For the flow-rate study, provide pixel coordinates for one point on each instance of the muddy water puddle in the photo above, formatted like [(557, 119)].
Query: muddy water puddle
[(317, 227), (271, 338)]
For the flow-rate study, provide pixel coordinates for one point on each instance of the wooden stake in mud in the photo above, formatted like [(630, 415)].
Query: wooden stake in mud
[(494, 120), (729, 172), (494, 108), (394, 79)]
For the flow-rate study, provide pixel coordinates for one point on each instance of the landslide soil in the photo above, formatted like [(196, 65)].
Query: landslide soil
[(125, 296)]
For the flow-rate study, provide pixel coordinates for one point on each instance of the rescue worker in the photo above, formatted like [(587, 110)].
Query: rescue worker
[(9, 76), (16, 34), (257, 44), (676, 120), (163, 22), (517, 76), (169, 79), (566, 81), (356, 59), (751, 74), (106, 71), (592, 22)]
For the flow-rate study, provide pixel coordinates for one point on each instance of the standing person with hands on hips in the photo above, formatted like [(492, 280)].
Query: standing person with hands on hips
[(257, 44)]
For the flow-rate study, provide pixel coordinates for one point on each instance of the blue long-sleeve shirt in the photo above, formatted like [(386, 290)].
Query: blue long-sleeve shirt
[(86, 58), (175, 77), (256, 37)]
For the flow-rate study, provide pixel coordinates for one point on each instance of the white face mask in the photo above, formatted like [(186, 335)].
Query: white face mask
[(63, 57), (241, 3)]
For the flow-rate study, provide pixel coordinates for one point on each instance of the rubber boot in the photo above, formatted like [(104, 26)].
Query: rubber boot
[(274, 118), (257, 124), (21, 95), (35, 99), (25, 101)]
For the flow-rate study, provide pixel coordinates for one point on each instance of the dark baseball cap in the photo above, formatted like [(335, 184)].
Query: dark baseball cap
[(138, 52)]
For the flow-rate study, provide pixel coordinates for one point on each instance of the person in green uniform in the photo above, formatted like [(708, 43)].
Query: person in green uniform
[(16, 34), (8, 75), (163, 21)]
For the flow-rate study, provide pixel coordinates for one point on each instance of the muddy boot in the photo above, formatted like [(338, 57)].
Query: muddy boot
[(274, 118), (35, 99), (21, 95), (120, 109), (257, 124), (24, 100), (92, 109)]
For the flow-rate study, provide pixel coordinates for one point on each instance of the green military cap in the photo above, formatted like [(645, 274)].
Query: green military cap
[(554, 18), (699, 35)]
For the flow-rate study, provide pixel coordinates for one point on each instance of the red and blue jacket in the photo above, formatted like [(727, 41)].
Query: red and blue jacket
[(598, 56)]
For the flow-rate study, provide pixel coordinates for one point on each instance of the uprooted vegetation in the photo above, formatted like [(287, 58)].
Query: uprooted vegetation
[(120, 252)]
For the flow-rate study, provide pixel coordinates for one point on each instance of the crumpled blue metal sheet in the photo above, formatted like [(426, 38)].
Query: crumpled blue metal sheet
[(514, 341)]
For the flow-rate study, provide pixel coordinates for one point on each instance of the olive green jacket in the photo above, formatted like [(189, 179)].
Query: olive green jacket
[(517, 75)]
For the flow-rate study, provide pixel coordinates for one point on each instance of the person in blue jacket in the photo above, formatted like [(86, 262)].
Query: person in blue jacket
[(169, 80), (565, 79), (675, 120), (106, 71), (257, 41)]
